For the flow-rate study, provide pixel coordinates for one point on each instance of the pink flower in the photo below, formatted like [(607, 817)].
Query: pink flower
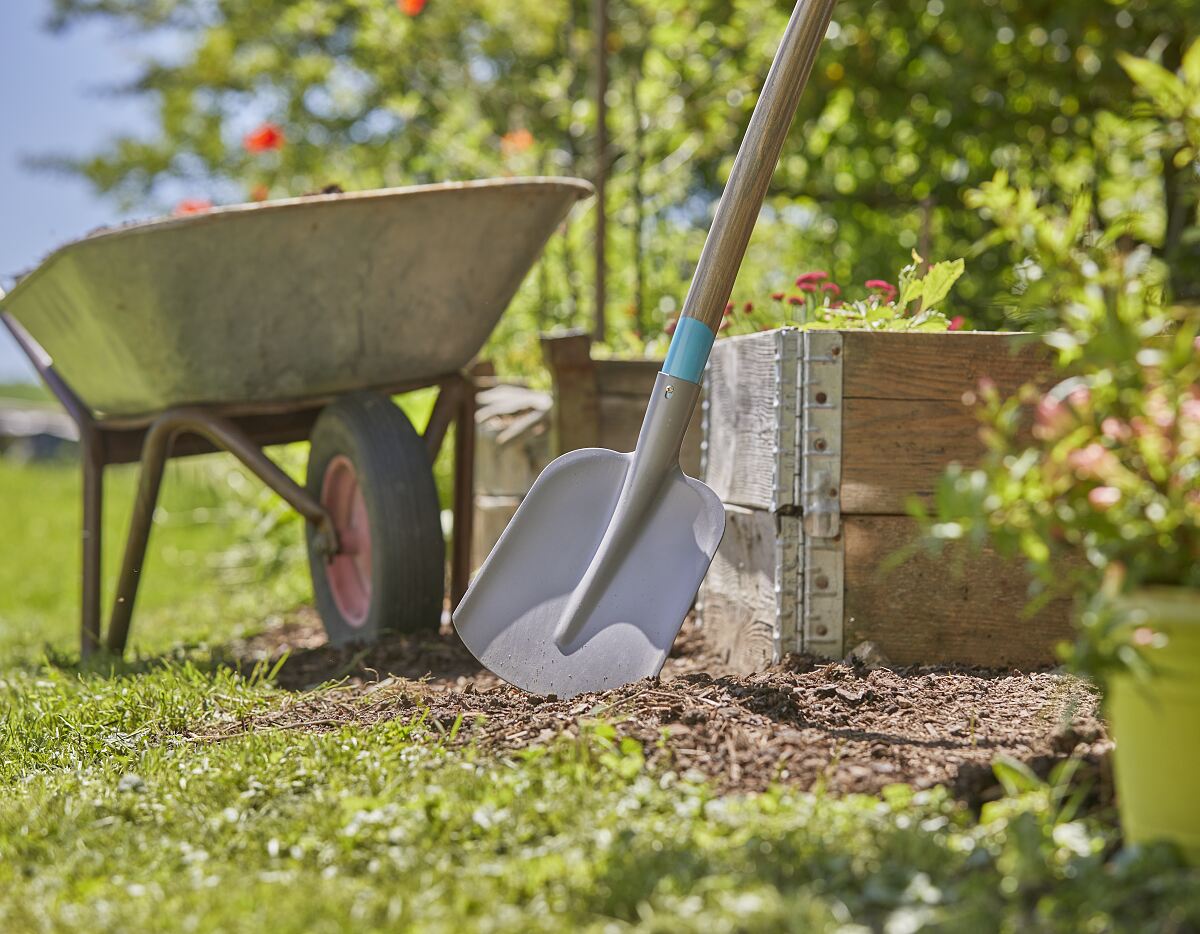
[(807, 278), (795, 300), (1104, 497), (1115, 429), (1053, 417), (806, 287), (832, 288), (1093, 460), (777, 296), (881, 285), (192, 206), (1189, 410), (956, 323), (729, 308), (266, 138)]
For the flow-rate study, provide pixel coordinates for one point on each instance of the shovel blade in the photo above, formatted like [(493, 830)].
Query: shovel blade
[(510, 614)]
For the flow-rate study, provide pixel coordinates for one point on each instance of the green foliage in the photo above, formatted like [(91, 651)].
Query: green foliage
[(119, 814), (911, 103), (1105, 496)]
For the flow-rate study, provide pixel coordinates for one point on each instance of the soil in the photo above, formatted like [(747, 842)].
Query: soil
[(806, 723)]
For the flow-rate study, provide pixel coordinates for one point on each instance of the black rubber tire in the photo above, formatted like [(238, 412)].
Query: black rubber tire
[(408, 551)]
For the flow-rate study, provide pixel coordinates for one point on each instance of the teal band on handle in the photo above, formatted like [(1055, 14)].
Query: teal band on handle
[(689, 350)]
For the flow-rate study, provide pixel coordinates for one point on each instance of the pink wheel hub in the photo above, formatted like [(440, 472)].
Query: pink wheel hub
[(349, 571)]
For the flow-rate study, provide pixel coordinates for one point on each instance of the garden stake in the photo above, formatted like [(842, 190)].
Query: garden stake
[(589, 584)]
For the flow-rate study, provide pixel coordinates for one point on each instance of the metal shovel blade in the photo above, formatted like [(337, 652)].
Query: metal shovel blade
[(589, 584)]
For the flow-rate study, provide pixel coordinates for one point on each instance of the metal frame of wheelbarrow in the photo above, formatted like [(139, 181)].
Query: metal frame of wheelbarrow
[(243, 431)]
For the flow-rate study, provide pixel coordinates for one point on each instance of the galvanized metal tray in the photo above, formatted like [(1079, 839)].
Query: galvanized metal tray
[(289, 299)]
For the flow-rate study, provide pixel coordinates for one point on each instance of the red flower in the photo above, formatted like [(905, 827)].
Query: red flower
[(514, 141), (881, 285), (192, 206), (748, 307), (809, 277), (795, 300), (777, 296), (410, 7), (806, 287), (266, 138), (729, 308), (956, 323), (832, 288)]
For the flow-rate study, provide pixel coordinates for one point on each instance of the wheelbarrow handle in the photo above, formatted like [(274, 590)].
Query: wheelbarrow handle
[(744, 192)]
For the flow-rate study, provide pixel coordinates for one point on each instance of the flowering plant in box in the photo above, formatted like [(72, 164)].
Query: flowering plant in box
[(818, 302), (1095, 478)]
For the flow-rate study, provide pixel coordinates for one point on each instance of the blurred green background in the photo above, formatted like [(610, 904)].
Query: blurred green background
[(912, 103)]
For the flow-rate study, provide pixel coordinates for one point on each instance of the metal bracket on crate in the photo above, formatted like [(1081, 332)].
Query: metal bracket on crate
[(819, 391), (786, 440)]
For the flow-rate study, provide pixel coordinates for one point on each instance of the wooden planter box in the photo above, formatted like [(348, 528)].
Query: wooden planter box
[(816, 441)]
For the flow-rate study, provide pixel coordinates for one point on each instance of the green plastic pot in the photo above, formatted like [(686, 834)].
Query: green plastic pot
[(1156, 725)]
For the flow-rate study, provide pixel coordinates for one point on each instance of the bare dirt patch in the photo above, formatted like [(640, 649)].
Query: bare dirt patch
[(804, 723)]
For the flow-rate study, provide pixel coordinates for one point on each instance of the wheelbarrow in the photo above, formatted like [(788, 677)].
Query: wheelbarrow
[(264, 324)]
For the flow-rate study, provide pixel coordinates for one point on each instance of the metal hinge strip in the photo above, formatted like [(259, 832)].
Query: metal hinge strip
[(819, 378)]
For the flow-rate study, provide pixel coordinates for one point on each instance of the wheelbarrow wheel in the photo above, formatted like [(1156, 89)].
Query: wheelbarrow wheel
[(370, 469)]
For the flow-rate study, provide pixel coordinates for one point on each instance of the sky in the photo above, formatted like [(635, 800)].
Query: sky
[(52, 102)]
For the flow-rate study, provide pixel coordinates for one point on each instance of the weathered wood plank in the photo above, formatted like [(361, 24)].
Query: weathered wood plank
[(492, 515), (742, 398), (923, 612), (575, 419), (620, 420), (627, 377), (896, 448), (880, 365), (737, 598)]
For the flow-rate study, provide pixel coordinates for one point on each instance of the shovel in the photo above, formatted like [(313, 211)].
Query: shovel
[(589, 584)]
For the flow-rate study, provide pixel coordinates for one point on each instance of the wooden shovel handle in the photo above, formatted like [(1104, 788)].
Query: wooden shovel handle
[(755, 163)]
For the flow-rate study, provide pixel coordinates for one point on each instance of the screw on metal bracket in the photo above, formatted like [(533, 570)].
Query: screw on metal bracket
[(669, 391)]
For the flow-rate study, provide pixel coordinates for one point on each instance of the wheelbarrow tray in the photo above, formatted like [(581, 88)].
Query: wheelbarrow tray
[(286, 300)]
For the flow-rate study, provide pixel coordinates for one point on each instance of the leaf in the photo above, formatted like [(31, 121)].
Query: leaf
[(1165, 88), (1191, 64), (1015, 777), (940, 280)]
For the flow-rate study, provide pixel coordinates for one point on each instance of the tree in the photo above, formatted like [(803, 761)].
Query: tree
[(912, 103)]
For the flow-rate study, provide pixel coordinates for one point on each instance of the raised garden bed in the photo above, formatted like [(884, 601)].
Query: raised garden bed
[(817, 441)]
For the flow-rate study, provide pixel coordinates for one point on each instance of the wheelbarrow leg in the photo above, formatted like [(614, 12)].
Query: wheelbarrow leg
[(92, 540), (464, 491), (155, 451)]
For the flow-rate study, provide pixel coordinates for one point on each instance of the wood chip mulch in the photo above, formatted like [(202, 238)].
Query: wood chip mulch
[(802, 723)]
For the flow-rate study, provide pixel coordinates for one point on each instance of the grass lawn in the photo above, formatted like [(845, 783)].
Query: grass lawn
[(123, 809)]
